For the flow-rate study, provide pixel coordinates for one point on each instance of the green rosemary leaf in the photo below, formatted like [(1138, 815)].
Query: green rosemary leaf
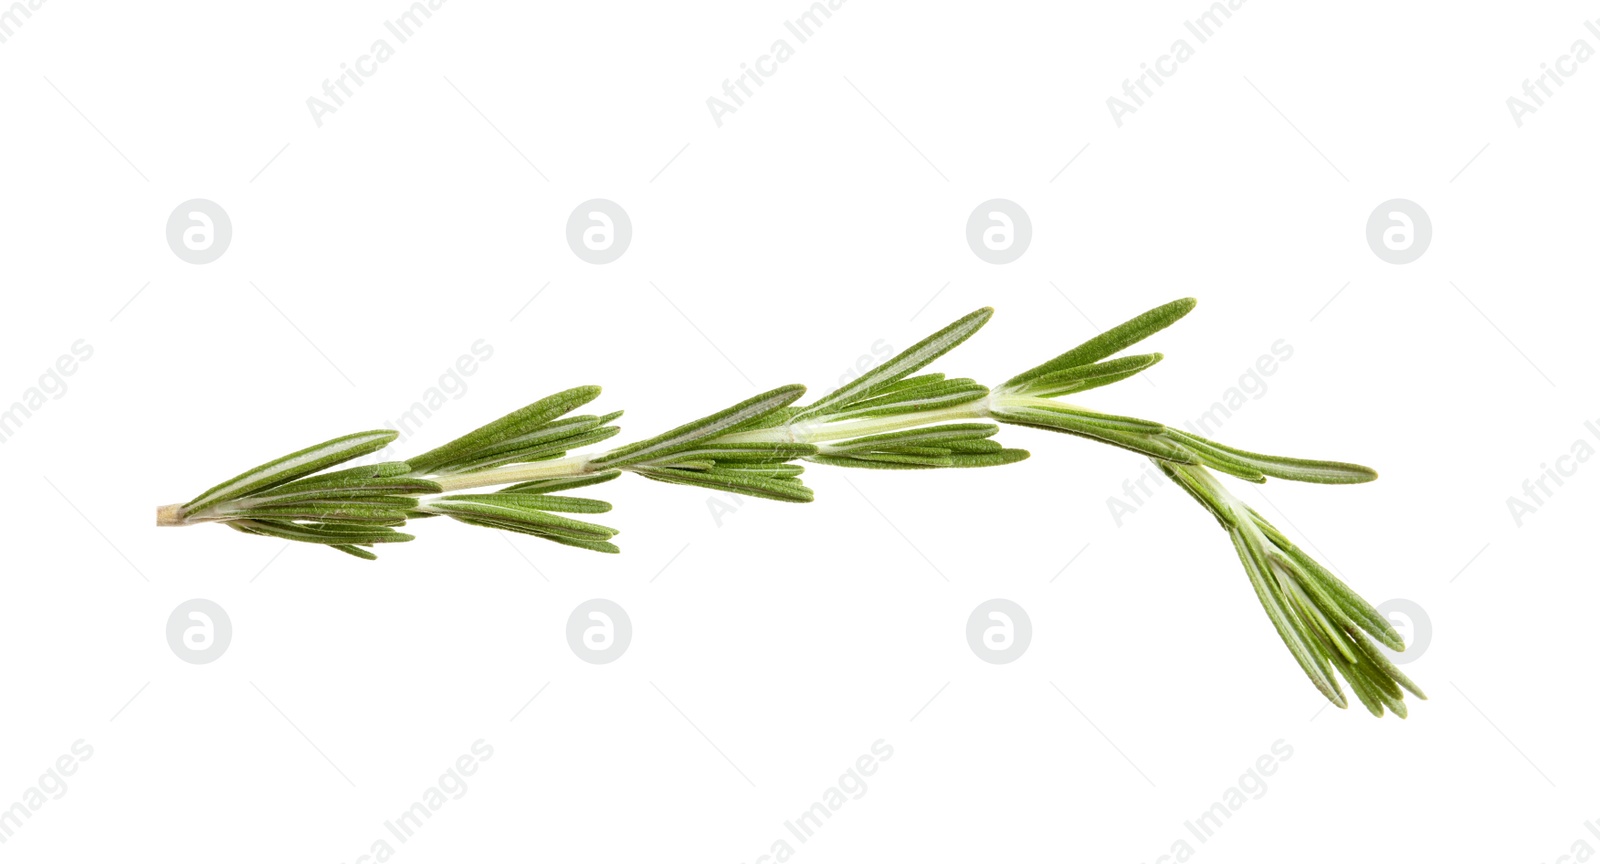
[(556, 430), (554, 450), (1250, 545), (856, 462), (923, 457), (557, 484), (1004, 456), (898, 395), (508, 509), (688, 464), (777, 418), (551, 503), (1155, 446), (392, 475), (1365, 692), (293, 467), (973, 445), (902, 364), (1359, 610), (943, 434), (532, 528), (344, 528), (1080, 378), (1313, 587), (939, 452), (317, 534), (1110, 342), (330, 497), (1376, 658), (1282, 467), (761, 469), (1203, 494), (1251, 554), (737, 482), (731, 419), (518, 422), (593, 545), (351, 486), (549, 441), (329, 512), (1332, 638), (1382, 690), (730, 452), (354, 550), (1077, 417), (911, 383), (946, 395), (1215, 459)]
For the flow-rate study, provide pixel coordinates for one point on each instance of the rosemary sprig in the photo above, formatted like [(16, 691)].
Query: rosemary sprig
[(887, 419)]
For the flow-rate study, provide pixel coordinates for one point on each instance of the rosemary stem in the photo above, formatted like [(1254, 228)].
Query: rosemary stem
[(811, 432), (816, 432), (571, 466)]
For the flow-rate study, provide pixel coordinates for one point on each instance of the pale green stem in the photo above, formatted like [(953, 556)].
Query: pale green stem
[(818, 432), (804, 432), (823, 431), (571, 466)]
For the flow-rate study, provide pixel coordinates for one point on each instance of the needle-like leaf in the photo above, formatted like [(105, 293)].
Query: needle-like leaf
[(689, 435), (1110, 342), (518, 422), (1283, 467), (902, 364), (293, 466), (1080, 378)]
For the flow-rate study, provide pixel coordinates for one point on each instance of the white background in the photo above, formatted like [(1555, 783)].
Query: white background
[(825, 215)]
